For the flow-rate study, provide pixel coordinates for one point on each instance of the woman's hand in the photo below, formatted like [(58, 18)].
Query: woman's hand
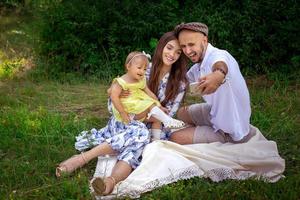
[(125, 94), (125, 117), (164, 109)]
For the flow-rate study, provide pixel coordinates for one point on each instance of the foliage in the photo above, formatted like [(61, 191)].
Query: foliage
[(94, 37), (15, 6), (262, 35), (10, 67), (15, 51)]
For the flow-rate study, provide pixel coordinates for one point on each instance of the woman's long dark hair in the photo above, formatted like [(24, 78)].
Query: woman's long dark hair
[(177, 73)]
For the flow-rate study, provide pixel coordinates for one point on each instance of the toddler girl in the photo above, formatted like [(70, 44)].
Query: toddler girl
[(141, 102)]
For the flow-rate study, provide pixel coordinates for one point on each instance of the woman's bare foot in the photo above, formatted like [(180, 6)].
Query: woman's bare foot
[(103, 186), (110, 183), (70, 165)]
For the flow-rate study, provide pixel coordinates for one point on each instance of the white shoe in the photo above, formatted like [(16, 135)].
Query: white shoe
[(174, 124)]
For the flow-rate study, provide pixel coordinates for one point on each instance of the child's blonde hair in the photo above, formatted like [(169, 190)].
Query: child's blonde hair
[(135, 54)]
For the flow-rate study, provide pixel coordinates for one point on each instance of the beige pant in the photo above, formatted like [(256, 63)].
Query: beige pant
[(204, 133)]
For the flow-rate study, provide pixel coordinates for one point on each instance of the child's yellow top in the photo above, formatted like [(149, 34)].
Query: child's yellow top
[(137, 102)]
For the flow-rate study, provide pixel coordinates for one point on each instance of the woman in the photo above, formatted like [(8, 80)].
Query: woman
[(166, 79)]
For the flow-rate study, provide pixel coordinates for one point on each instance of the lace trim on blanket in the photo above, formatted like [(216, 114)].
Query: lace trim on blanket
[(135, 192), (216, 175), (129, 189), (220, 174)]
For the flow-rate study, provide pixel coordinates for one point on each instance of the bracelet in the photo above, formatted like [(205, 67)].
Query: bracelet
[(223, 72)]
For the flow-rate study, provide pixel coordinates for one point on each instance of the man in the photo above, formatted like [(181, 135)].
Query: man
[(225, 116)]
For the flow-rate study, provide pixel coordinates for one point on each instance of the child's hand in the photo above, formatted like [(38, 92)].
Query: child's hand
[(125, 117), (164, 109)]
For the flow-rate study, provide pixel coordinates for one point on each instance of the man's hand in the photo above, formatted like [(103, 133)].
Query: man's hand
[(210, 83)]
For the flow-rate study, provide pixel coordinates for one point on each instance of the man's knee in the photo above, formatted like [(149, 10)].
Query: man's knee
[(183, 115), (206, 134), (183, 136), (174, 138), (181, 112)]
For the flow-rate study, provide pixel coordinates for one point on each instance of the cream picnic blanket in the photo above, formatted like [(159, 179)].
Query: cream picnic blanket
[(166, 162)]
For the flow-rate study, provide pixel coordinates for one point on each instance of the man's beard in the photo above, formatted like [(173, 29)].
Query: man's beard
[(202, 53)]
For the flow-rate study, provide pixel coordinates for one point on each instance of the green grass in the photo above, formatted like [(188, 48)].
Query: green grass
[(39, 122)]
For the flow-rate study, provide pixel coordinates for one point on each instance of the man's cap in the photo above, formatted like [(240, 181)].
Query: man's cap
[(193, 26)]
